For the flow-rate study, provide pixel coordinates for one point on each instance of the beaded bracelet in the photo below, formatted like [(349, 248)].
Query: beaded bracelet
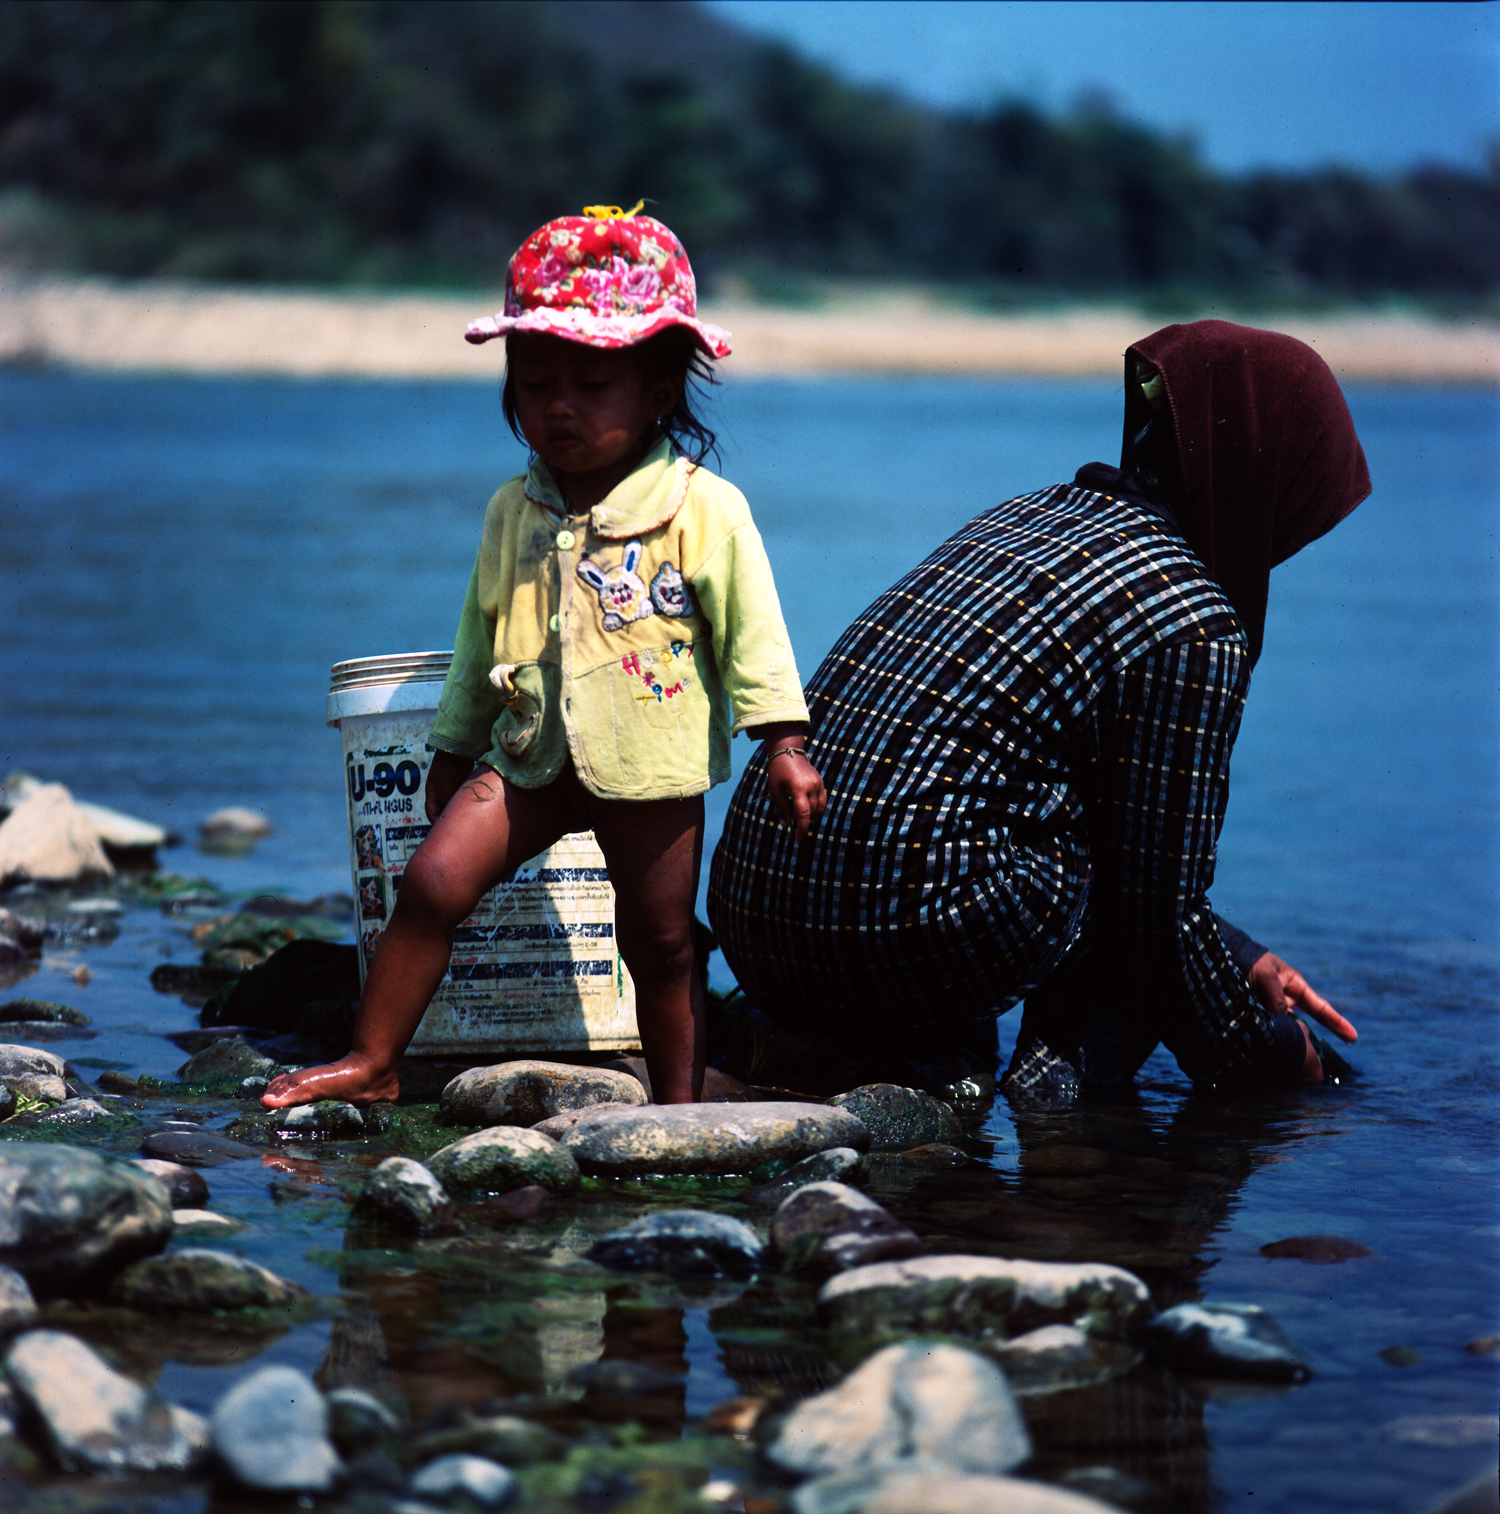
[(787, 751)]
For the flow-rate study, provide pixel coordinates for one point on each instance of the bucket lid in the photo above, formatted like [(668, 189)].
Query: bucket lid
[(399, 667)]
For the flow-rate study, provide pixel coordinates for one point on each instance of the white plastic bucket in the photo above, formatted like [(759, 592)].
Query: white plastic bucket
[(535, 968)]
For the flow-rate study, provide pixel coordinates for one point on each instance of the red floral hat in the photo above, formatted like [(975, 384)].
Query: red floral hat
[(607, 278)]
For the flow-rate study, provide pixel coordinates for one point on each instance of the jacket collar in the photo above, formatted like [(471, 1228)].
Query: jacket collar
[(649, 497)]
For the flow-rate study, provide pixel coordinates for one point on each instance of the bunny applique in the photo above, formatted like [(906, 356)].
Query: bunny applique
[(623, 595)]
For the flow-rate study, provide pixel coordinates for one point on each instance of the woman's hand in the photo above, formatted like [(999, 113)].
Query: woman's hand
[(1280, 987), (444, 779)]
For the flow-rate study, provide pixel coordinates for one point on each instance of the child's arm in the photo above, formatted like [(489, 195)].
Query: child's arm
[(797, 792)]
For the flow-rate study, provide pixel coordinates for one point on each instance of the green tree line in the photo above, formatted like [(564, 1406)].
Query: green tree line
[(417, 142)]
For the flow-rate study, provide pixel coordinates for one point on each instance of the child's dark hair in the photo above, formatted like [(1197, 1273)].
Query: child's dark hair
[(673, 353)]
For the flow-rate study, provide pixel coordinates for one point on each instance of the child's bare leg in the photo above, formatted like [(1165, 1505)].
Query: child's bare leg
[(653, 849), (488, 829)]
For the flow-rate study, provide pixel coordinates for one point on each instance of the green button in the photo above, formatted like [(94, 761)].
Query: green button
[(555, 623), (565, 540)]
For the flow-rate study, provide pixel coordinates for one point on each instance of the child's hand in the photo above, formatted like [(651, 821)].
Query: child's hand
[(444, 779), (797, 792)]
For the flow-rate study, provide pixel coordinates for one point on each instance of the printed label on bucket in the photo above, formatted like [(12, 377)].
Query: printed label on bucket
[(535, 968)]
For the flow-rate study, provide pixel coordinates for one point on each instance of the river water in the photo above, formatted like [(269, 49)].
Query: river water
[(182, 560)]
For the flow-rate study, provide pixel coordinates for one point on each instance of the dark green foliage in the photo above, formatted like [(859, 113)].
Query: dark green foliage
[(418, 141)]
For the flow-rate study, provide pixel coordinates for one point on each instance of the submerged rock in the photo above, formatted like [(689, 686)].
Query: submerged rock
[(403, 1195), (94, 1418), (271, 1432), (983, 1295), (683, 1242), (527, 1092), (196, 1280), (18, 1309), (47, 838), (1321, 1249), (709, 1139), (358, 1421), (1056, 1357), (1225, 1340), (839, 1164), (828, 1227), (78, 1111), (70, 1217), (476, 1478), (899, 1118), (40, 1011), (196, 1148), (34, 1074), (503, 1158), (917, 1403), (186, 1188)]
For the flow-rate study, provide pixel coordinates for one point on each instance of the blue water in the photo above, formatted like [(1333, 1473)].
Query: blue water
[(181, 562)]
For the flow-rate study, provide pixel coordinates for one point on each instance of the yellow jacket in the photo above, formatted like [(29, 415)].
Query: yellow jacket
[(637, 642)]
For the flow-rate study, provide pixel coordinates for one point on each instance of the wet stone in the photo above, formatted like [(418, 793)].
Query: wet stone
[(839, 1164), (1321, 1249), (18, 1309), (271, 1432), (522, 1204), (506, 1438), (555, 1125), (331, 1119), (196, 1148), (41, 1011), (899, 1118), (829, 1227), (186, 1188), (69, 1217), (474, 1478), (76, 1112), (203, 1223), (94, 1418), (912, 1403), (947, 1493), (1056, 1357), (48, 838), (983, 1296), (33, 1074), (403, 1195), (1225, 1340), (615, 1378), (358, 1421), (1485, 1345), (527, 1092), (501, 1159), (197, 1280), (228, 1062), (707, 1139), (682, 1242), (936, 1154)]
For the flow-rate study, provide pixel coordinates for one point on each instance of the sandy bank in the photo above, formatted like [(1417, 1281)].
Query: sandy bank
[(190, 329)]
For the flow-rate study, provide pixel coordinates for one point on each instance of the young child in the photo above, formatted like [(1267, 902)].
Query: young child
[(621, 624)]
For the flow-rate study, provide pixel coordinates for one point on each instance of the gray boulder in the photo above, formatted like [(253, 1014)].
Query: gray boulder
[(829, 1227), (899, 1118), (196, 1280), (915, 1405), (94, 1418), (1225, 1340), (839, 1164), (18, 1309), (707, 1139), (70, 1217), (527, 1092), (403, 1195), (501, 1159), (47, 838), (483, 1482), (186, 1188), (270, 1432), (983, 1296), (682, 1242), (34, 1074), (1056, 1357), (227, 1061)]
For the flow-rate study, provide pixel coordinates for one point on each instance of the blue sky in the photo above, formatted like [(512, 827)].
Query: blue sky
[(1291, 85)]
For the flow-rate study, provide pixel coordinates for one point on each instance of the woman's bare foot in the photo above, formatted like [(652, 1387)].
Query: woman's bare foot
[(355, 1079)]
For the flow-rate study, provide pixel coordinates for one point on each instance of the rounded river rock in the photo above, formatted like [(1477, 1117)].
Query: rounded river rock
[(527, 1092), (502, 1159)]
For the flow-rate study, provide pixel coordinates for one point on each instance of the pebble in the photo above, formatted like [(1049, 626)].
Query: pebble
[(197, 1148), (501, 1159), (707, 1139), (1056, 1357), (271, 1432), (682, 1242), (404, 1195), (476, 1478), (47, 838), (69, 1217), (527, 1092), (1225, 1340), (914, 1402), (830, 1227), (95, 1419), (983, 1295), (18, 1309), (186, 1188), (34, 1074), (899, 1118), (838, 1164), (196, 1280)]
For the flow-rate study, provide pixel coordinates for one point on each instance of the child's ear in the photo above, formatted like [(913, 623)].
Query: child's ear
[(665, 392)]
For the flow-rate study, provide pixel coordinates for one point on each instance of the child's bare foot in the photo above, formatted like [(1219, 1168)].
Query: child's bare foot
[(354, 1079)]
